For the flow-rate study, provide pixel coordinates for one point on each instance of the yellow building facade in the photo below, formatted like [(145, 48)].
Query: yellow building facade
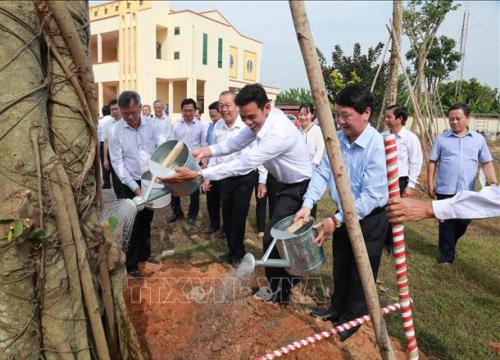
[(169, 55)]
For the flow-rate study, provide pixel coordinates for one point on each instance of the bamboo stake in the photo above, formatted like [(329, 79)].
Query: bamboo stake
[(342, 182)]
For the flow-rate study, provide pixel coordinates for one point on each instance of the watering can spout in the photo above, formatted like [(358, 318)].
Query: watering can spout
[(155, 193)]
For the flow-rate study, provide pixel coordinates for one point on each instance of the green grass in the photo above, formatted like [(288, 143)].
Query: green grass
[(456, 309)]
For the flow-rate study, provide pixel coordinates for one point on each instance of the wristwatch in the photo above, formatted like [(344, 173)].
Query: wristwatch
[(336, 222)]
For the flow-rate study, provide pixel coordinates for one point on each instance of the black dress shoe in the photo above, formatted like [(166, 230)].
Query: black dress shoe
[(134, 272), (175, 217), (153, 260), (235, 263), (192, 221), (210, 230), (326, 314), (346, 334)]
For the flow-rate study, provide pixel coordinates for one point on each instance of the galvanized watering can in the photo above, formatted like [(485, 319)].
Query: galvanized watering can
[(155, 197), (299, 254), (158, 195)]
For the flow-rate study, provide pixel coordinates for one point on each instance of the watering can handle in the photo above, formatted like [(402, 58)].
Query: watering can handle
[(296, 225), (269, 249), (172, 156)]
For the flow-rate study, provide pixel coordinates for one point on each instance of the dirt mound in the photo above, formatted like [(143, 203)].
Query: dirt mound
[(183, 311)]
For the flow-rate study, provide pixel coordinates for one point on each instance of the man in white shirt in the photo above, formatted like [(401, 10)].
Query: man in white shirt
[(282, 151), (146, 110), (115, 117), (464, 205), (212, 188), (236, 191), (131, 144), (101, 126), (410, 158), (193, 133), (163, 121)]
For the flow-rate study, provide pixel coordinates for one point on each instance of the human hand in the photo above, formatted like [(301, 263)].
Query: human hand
[(303, 213), (106, 164), (400, 210), (261, 191), (201, 153), (408, 192), (326, 229), (431, 191), (206, 186), (182, 174), (138, 192)]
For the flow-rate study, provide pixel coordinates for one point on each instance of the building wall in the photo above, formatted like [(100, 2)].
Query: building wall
[(137, 27)]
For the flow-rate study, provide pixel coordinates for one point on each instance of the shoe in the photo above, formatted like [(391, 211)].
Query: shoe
[(210, 230), (192, 221), (444, 263), (235, 263), (175, 217), (326, 314), (134, 272), (346, 334), (153, 260), (221, 235)]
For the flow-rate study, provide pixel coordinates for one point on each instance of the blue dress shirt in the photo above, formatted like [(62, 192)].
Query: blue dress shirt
[(365, 162), (458, 159)]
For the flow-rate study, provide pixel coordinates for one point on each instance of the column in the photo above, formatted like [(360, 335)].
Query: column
[(99, 48), (191, 88), (100, 95), (171, 97)]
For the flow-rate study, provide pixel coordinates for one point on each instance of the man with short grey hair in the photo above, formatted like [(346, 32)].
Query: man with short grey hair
[(163, 122), (131, 144)]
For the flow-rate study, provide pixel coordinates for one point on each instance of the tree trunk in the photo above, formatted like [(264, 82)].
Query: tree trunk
[(51, 304), (397, 22)]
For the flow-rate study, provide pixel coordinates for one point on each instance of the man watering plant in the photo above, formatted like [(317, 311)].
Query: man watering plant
[(363, 151), (282, 151)]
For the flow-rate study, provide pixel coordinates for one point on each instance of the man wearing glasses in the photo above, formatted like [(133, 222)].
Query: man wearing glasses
[(191, 132)]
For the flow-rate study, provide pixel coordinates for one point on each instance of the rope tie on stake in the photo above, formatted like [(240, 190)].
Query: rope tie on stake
[(398, 249), (299, 344)]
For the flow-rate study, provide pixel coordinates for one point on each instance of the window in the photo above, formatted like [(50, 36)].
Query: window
[(177, 55), (249, 66), (231, 61), (158, 50), (204, 58), (177, 30), (219, 56)]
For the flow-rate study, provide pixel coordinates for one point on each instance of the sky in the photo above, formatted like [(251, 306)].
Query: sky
[(348, 22)]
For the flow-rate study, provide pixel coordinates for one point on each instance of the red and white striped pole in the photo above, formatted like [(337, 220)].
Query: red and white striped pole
[(299, 344), (398, 248)]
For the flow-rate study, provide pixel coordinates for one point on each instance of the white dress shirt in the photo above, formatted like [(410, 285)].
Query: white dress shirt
[(315, 143), (410, 158), (279, 147), (131, 149), (110, 126), (193, 134), (101, 126), (222, 133), (164, 125), (469, 205)]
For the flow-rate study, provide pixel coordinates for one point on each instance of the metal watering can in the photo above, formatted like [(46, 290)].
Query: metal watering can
[(299, 254), (165, 159)]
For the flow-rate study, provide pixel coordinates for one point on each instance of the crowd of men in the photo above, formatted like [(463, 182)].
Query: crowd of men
[(249, 147)]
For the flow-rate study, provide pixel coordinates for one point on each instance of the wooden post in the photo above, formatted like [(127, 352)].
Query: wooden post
[(318, 89)]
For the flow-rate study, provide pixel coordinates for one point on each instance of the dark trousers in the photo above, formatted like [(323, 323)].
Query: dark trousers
[(115, 180), (403, 183), (289, 201), (139, 246), (269, 199), (236, 193), (105, 173), (348, 299), (449, 233), (194, 205), (214, 204)]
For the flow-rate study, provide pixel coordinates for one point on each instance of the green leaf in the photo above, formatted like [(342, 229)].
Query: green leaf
[(18, 229), (37, 234), (113, 222)]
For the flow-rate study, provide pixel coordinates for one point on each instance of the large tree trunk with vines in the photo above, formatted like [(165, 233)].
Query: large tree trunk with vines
[(51, 300)]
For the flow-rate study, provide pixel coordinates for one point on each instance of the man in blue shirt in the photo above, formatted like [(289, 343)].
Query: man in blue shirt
[(363, 151), (456, 154)]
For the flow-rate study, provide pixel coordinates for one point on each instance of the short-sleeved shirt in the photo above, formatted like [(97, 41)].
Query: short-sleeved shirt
[(458, 159)]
